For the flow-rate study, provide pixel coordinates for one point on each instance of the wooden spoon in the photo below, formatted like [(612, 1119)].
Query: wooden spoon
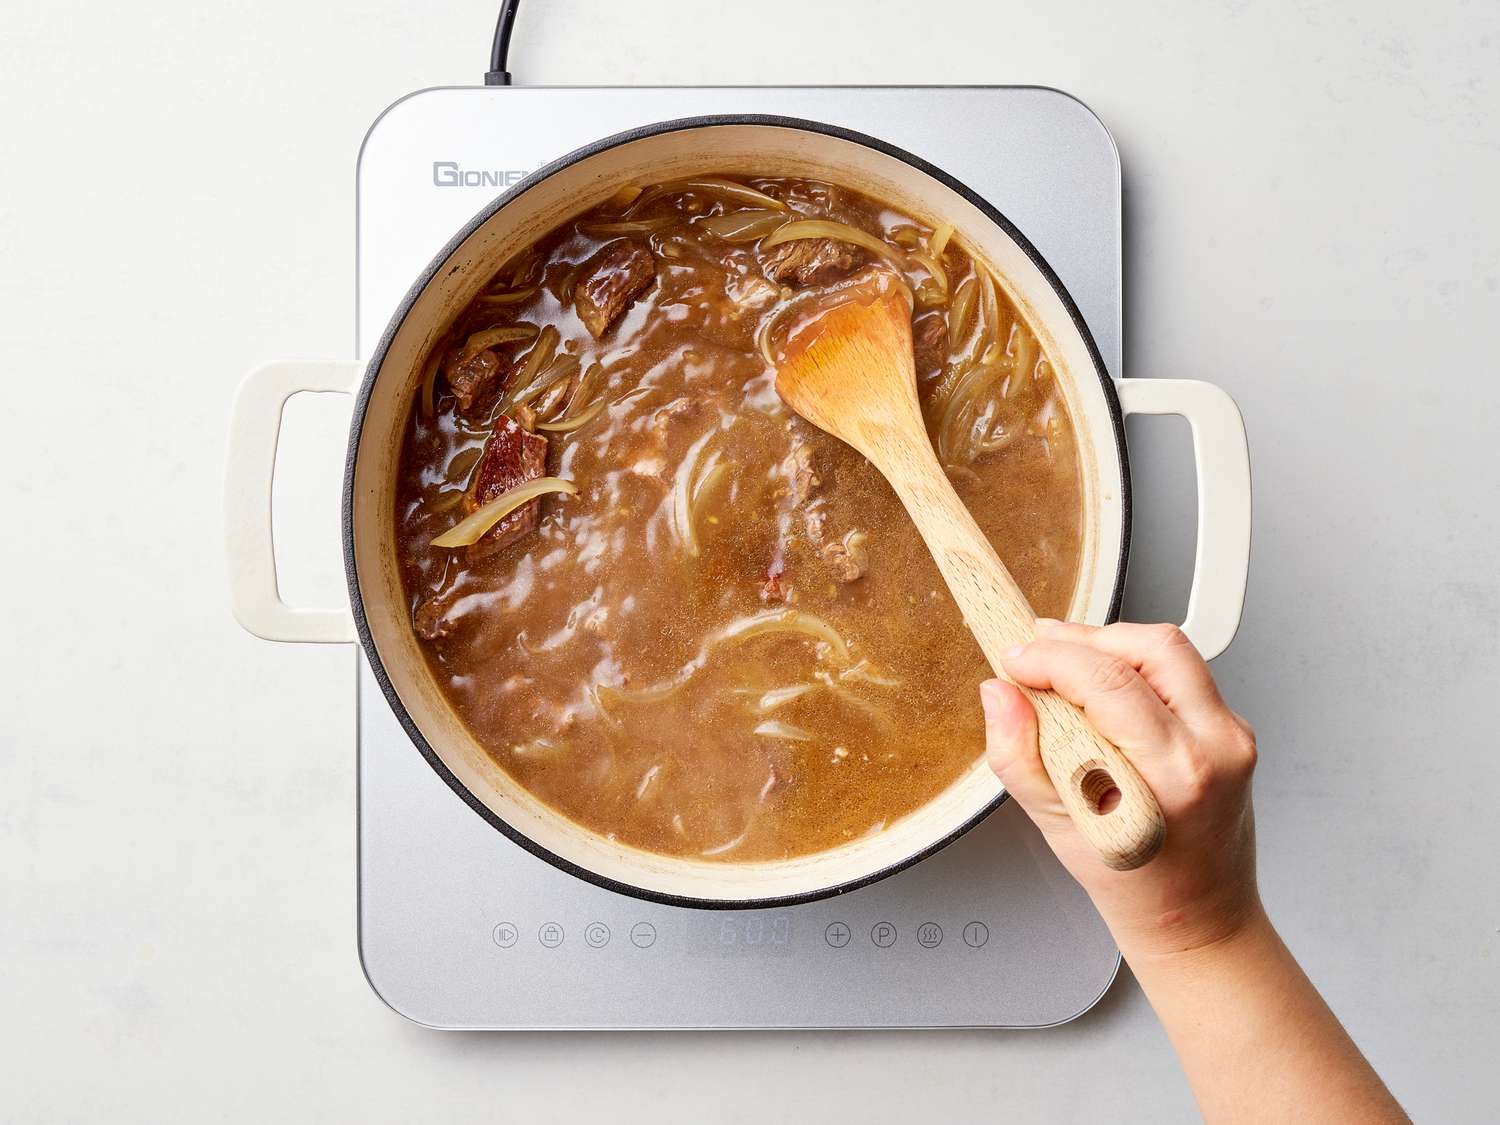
[(851, 374)]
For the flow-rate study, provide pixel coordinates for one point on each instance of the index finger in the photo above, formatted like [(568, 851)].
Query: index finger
[(1117, 701), (1162, 654)]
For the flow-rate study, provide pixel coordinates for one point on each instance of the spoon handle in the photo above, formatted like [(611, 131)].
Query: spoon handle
[(1083, 765)]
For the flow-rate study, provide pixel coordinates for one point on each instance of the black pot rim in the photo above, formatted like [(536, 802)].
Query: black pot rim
[(361, 404)]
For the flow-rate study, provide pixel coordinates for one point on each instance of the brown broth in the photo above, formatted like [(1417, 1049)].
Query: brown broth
[(590, 658)]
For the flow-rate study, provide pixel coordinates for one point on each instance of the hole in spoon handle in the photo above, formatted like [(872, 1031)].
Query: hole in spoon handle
[(1111, 805)]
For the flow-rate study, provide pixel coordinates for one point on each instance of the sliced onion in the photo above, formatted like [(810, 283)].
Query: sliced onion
[(585, 390), (625, 196), (939, 240), (989, 303), (626, 226), (958, 314), (604, 693), (775, 728), (742, 226), (707, 481), (827, 228), (864, 672), (557, 641), (682, 496), (514, 297), (1022, 351), (646, 779), (582, 394), (930, 263), (763, 339), (473, 528), (446, 502), (522, 266), (462, 464), (780, 697), (536, 748), (993, 444), (577, 422), (876, 714), (931, 296), (555, 379), (528, 379), (784, 621), (726, 846), (776, 316), (489, 337), (553, 373), (728, 188), (429, 382), (966, 391)]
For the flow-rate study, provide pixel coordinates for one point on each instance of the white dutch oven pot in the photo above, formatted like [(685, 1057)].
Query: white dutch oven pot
[(384, 393)]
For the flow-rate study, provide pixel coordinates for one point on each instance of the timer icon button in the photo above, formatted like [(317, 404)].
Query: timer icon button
[(976, 934), (596, 936), (883, 934), (550, 935), (643, 935), (836, 935), (505, 935), (929, 935)]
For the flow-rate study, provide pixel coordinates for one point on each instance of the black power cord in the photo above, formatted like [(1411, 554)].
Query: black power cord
[(497, 75)]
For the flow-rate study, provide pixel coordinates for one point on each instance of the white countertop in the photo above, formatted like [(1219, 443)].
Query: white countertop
[(1311, 222)]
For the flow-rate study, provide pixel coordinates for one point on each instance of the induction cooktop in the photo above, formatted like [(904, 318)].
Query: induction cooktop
[(461, 928)]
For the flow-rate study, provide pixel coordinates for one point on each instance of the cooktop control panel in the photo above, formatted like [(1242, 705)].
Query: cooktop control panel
[(461, 928), (760, 933)]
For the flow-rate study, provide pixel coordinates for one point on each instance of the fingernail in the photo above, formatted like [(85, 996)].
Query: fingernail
[(1012, 652), (1047, 622)]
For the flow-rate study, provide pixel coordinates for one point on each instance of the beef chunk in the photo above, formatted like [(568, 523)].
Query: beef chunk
[(804, 472), (812, 261), (846, 557), (610, 281), (929, 341), (431, 620), (679, 409), (816, 522), (806, 495), (511, 458), (772, 588), (472, 376), (651, 456)]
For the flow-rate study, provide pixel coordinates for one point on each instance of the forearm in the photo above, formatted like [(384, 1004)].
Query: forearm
[(1256, 1040)]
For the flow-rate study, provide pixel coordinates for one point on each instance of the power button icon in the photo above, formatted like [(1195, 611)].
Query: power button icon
[(643, 935)]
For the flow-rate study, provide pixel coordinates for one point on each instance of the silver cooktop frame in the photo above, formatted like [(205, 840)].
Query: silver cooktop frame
[(461, 928)]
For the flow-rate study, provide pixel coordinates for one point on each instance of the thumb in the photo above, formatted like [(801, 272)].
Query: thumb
[(1011, 748)]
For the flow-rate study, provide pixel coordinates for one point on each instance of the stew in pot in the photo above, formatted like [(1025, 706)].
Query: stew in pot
[(667, 606)]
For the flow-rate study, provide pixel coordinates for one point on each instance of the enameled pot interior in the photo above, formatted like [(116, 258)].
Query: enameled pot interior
[(457, 276)]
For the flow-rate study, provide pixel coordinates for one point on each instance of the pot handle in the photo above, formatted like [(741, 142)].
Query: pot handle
[(1221, 563), (255, 427)]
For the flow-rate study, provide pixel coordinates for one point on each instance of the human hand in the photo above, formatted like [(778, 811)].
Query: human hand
[(1146, 689)]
